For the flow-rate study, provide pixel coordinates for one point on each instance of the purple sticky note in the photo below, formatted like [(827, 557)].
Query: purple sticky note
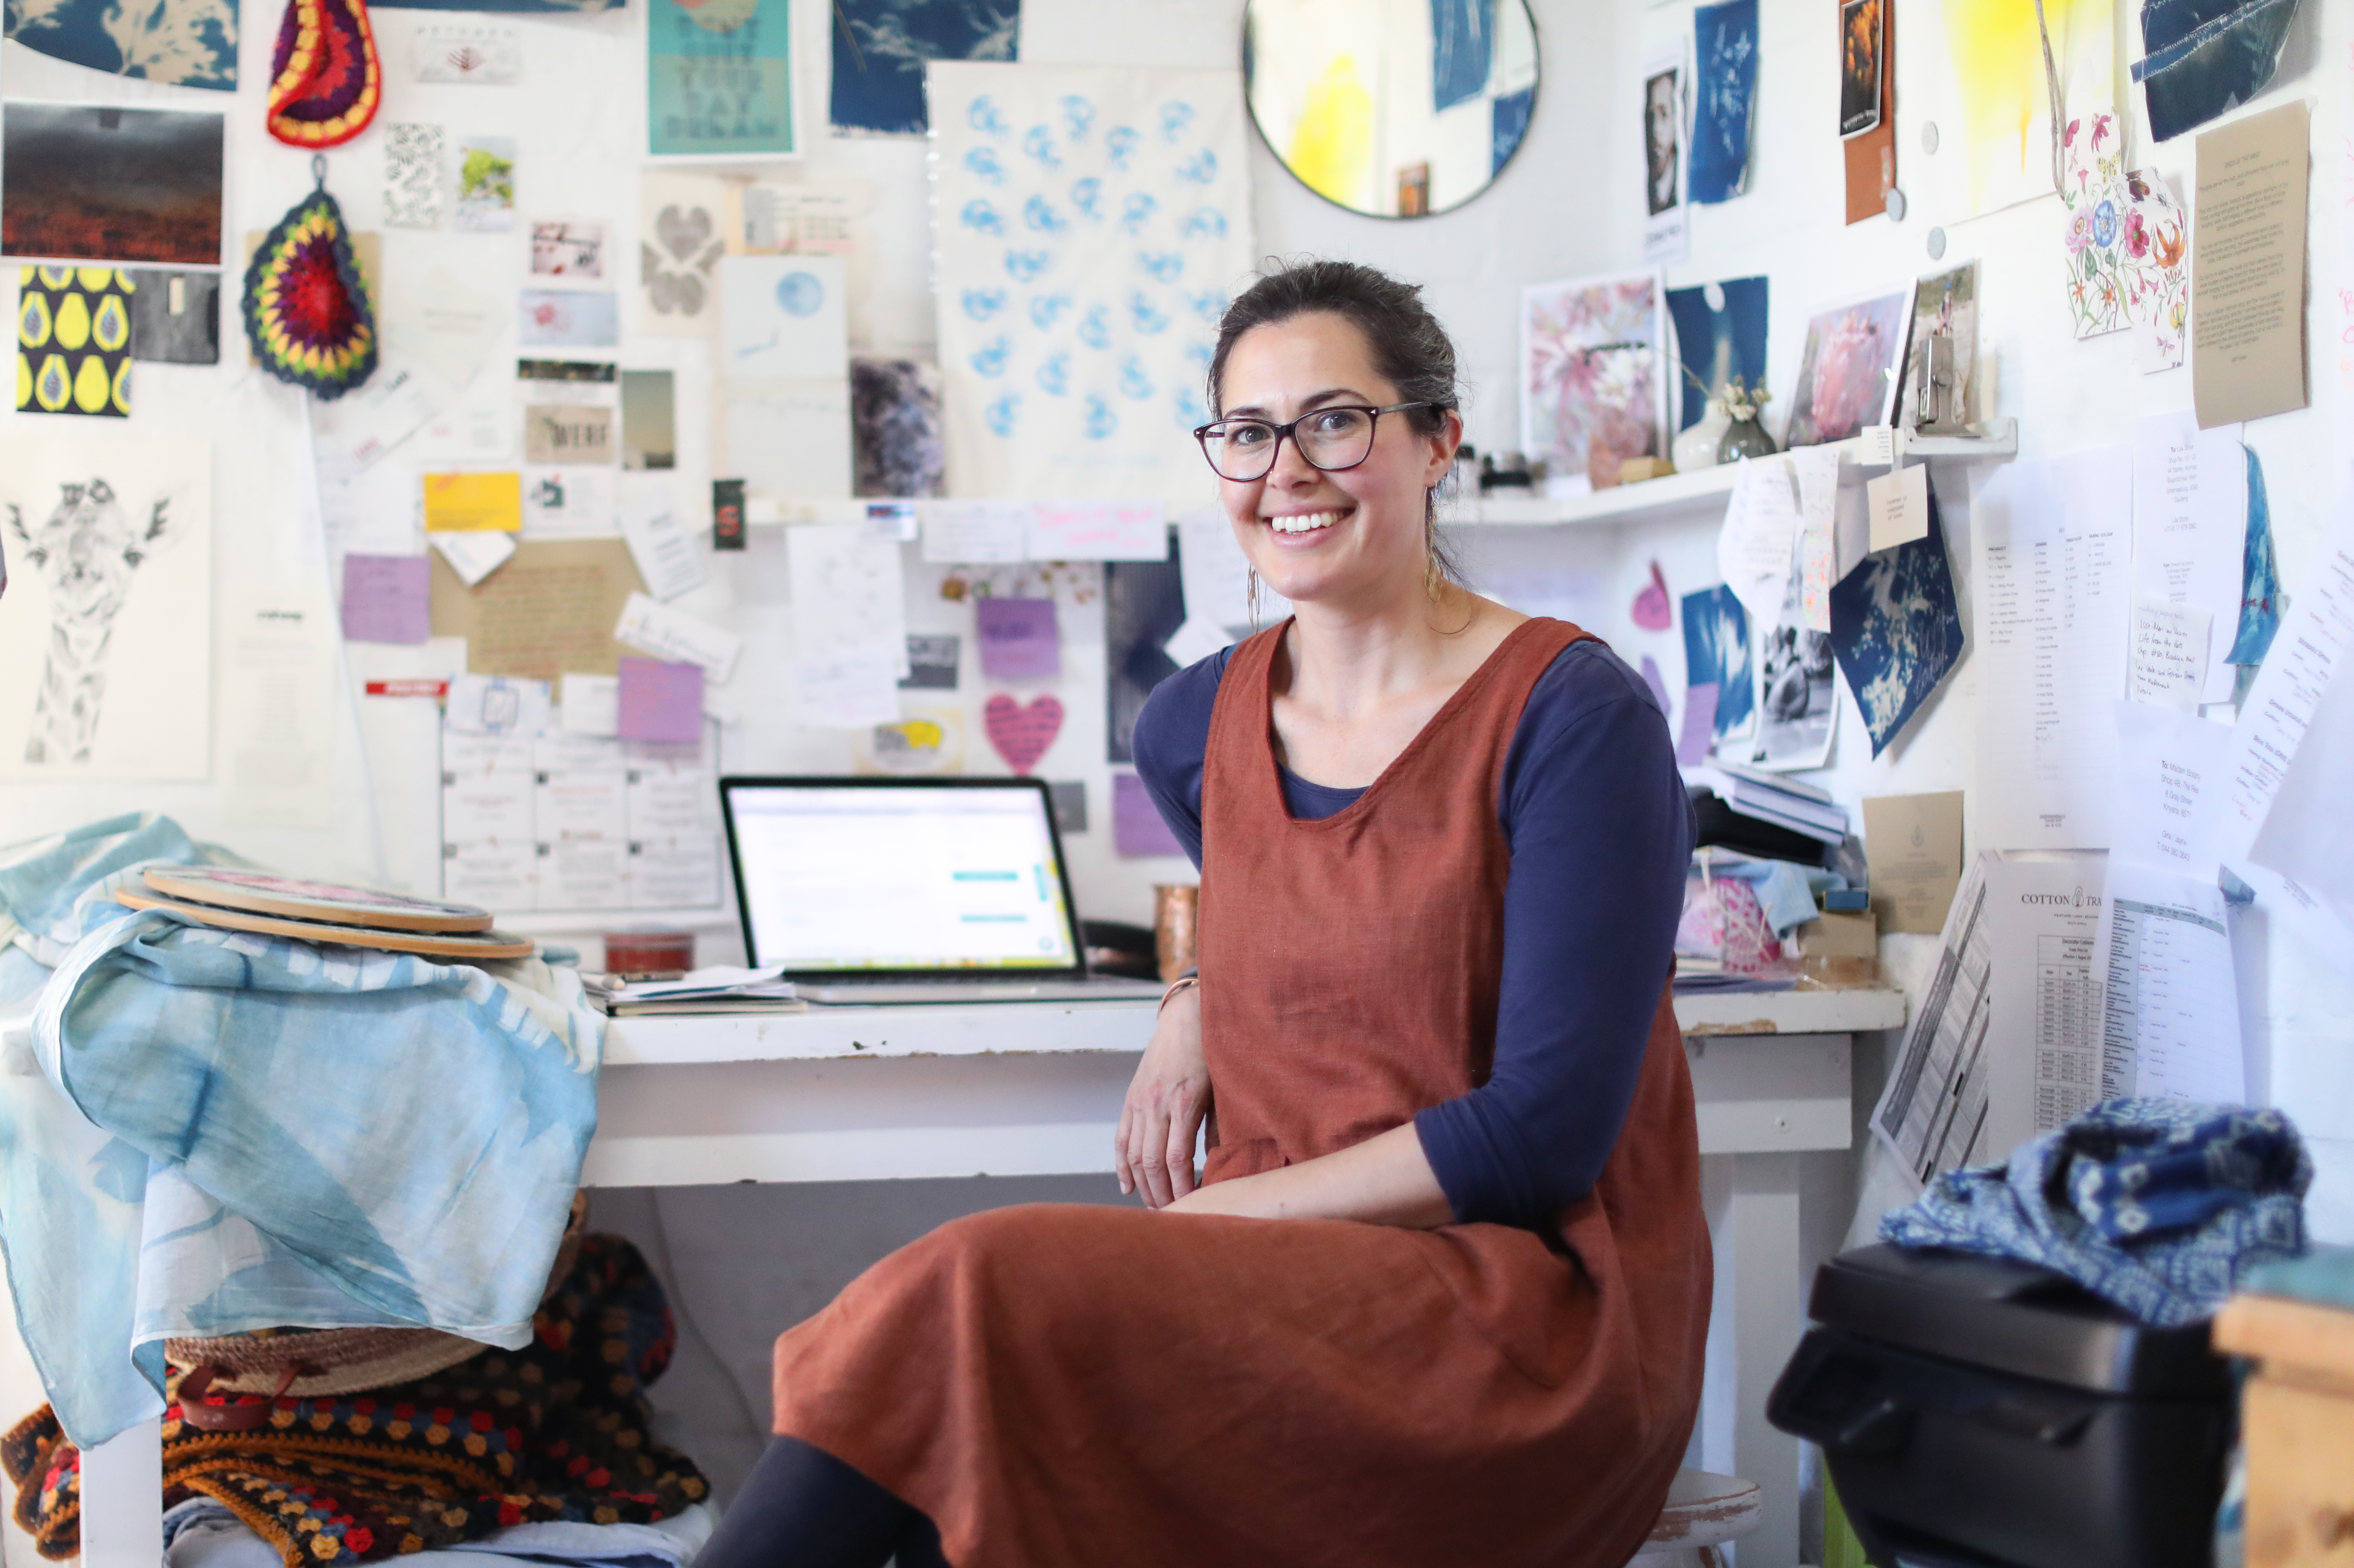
[(1135, 824), (1018, 642), (660, 701), (388, 599), (1700, 723)]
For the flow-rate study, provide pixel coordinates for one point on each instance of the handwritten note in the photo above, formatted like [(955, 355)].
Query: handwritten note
[(2169, 654), (548, 611), (1761, 530), (977, 533), (677, 636), (1899, 501), (388, 599), (1018, 639), (662, 549), (1818, 473), (661, 701), (1100, 531)]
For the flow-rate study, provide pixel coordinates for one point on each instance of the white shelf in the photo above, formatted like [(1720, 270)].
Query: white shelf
[(1050, 1028), (1652, 499)]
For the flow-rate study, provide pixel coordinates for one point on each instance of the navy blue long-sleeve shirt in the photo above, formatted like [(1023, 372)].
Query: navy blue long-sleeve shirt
[(1600, 834)]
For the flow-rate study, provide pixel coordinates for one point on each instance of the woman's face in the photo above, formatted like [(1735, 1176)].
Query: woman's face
[(1353, 535)]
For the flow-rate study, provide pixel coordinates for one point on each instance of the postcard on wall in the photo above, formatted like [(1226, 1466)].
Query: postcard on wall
[(1719, 335), (73, 341), (881, 47), (484, 52), (415, 187), (1847, 373), (1915, 844), (681, 238), (568, 433), (649, 419), (1797, 688), (486, 184), (1862, 39), (109, 543), (1724, 98), (551, 318), (1593, 377), (782, 318), (719, 80), (896, 442), (572, 500), (183, 43), (1945, 304), (174, 316), (566, 248), (1091, 221), (1667, 226), (110, 184)]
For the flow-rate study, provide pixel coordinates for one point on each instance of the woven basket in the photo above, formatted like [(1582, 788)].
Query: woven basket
[(344, 1361)]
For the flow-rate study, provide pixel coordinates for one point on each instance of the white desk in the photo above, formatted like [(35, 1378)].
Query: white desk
[(849, 1094)]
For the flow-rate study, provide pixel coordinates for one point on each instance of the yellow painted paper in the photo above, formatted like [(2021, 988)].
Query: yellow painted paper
[(2009, 141), (474, 503), (1332, 145)]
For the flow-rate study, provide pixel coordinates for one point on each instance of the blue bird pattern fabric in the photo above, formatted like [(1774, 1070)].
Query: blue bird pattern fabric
[(2161, 1206), (1101, 220)]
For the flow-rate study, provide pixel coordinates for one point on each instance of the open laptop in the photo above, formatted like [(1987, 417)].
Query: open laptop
[(897, 890)]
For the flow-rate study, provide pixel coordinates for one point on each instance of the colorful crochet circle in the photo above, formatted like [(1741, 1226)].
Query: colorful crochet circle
[(306, 311), (324, 79)]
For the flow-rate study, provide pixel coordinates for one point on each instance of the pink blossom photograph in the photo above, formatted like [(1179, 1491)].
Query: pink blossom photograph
[(1847, 375)]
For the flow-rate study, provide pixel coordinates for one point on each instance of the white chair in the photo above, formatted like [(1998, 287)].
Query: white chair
[(1702, 1512)]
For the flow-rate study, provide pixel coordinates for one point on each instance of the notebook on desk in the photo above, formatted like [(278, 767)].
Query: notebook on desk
[(902, 890)]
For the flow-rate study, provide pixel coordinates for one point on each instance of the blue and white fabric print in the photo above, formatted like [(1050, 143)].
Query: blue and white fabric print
[(1135, 176), (2161, 1206), (204, 1132)]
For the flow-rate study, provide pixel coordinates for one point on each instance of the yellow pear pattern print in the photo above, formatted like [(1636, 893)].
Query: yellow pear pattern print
[(73, 340)]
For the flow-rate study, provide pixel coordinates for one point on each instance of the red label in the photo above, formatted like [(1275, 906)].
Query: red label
[(408, 688)]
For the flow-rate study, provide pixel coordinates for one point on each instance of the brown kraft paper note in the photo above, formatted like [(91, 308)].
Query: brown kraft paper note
[(550, 609), (1914, 842)]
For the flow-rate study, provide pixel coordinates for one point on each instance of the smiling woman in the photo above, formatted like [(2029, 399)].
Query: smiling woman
[(1440, 1292)]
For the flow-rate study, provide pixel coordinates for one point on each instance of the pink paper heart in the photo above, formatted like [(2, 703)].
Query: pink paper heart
[(1652, 612), (1022, 734)]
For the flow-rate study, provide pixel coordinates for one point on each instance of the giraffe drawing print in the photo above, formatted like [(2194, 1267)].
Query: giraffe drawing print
[(105, 645)]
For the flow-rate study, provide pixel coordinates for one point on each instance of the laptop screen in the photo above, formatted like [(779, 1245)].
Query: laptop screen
[(836, 874)]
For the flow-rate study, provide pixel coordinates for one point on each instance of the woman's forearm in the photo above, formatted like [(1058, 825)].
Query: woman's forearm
[(1384, 1180)]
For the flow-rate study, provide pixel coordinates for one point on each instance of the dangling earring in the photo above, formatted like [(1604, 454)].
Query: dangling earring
[(1254, 598), (1430, 574)]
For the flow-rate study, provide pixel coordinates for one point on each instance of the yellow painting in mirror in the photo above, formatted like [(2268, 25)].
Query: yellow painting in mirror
[(1332, 145), (2010, 144), (73, 341)]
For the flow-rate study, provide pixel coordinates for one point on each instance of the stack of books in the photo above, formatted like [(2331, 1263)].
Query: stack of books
[(717, 990), (1778, 799)]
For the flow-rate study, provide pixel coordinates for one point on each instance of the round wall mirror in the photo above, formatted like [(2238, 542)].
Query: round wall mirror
[(1393, 108)]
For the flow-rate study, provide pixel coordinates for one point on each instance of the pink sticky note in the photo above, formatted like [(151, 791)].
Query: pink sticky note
[(1700, 723), (661, 701), (1135, 824), (1018, 639), (388, 599), (1653, 611)]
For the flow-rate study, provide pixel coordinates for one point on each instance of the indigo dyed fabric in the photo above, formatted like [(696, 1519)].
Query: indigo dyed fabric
[(2161, 1206), (2204, 57), (1724, 52), (204, 1132)]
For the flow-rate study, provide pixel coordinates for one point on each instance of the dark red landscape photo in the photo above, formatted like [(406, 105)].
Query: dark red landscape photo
[(84, 183)]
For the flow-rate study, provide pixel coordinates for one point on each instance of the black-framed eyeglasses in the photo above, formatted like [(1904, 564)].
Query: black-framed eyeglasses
[(1335, 437)]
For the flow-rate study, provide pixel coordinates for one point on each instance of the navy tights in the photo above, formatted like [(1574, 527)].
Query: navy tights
[(802, 1508)]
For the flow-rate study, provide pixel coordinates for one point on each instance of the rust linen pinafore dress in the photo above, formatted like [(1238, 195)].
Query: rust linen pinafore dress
[(1074, 1387)]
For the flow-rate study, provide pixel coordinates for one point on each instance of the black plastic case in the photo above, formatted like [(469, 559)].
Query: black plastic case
[(1979, 1412)]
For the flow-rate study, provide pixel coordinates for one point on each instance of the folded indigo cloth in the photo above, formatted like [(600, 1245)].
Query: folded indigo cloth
[(2160, 1206), (205, 1132)]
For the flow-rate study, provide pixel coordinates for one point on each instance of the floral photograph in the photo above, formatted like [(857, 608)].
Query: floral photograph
[(1847, 374), (1592, 394)]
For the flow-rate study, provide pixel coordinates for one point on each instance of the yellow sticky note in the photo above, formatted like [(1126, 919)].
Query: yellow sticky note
[(474, 503)]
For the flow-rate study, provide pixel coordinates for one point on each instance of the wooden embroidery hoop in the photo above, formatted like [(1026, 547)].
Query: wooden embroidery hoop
[(298, 898), (429, 944)]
